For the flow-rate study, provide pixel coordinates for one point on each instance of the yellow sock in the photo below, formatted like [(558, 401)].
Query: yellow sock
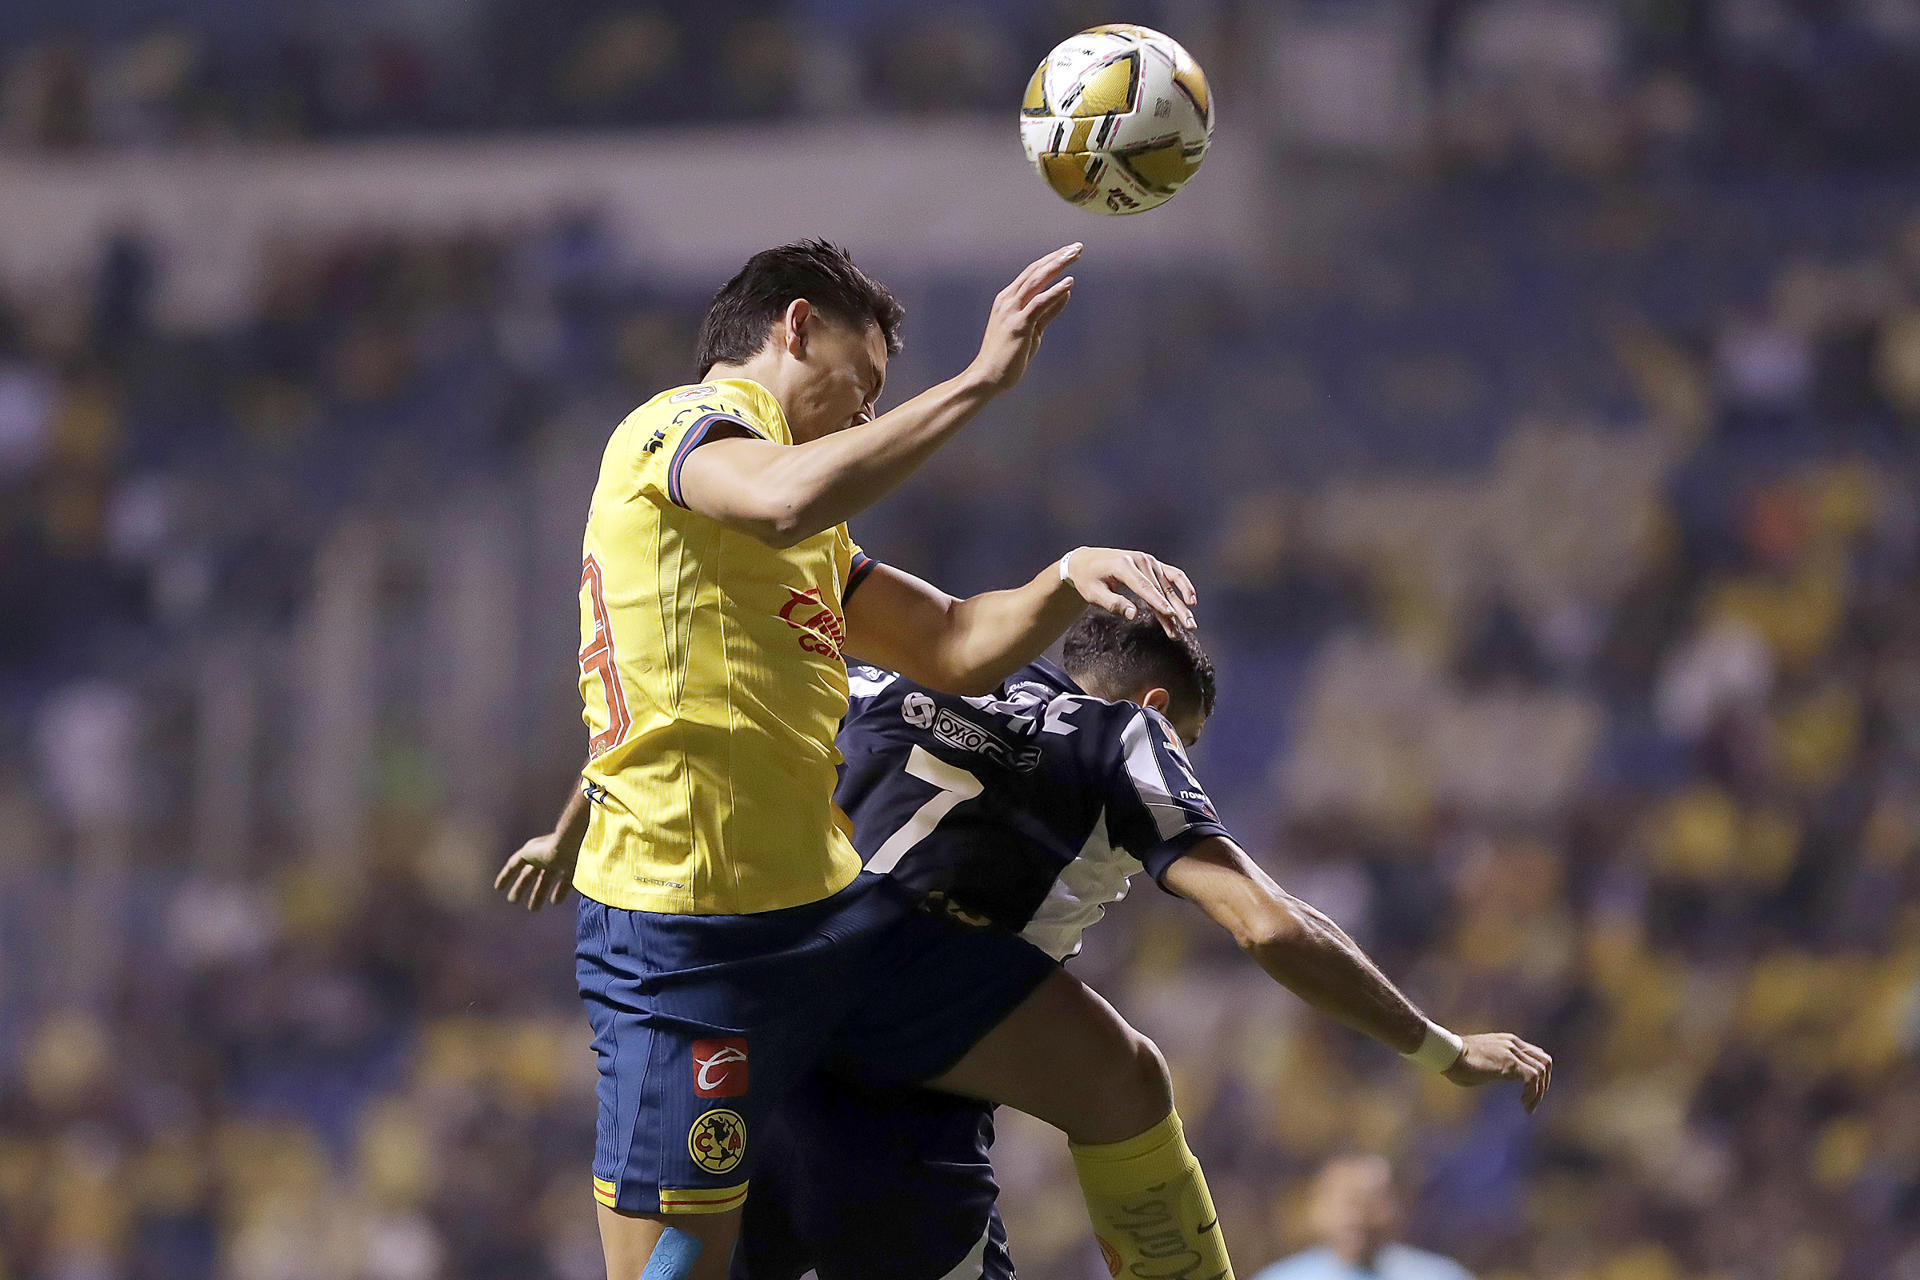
[(1152, 1213)]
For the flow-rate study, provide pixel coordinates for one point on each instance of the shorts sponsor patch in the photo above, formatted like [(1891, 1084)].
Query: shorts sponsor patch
[(720, 1067), (718, 1140)]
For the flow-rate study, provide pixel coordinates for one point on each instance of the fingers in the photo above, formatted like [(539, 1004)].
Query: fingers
[(1040, 270), (1182, 586), (505, 871), (1099, 595), (526, 869), (1146, 583), (1533, 1068), (1046, 305)]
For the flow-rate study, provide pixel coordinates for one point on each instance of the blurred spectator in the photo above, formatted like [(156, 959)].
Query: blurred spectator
[(1356, 1214)]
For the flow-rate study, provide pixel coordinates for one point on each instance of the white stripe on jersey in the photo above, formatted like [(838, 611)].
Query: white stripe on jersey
[(1079, 897), (862, 685), (1143, 767)]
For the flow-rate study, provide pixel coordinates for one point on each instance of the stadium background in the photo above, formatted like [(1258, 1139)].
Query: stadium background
[(1530, 385)]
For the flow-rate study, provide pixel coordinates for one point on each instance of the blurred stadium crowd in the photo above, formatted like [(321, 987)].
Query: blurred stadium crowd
[(1558, 540), (1809, 80)]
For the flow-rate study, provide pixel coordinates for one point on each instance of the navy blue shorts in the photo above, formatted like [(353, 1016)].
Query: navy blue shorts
[(703, 1024), (874, 1184)]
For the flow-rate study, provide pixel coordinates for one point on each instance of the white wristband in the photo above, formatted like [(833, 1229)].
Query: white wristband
[(1438, 1050), (1064, 575)]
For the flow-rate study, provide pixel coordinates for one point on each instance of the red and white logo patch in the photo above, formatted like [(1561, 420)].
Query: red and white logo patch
[(720, 1067)]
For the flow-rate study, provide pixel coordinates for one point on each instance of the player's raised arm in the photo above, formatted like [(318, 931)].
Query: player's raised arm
[(968, 646), (1310, 955), (844, 458)]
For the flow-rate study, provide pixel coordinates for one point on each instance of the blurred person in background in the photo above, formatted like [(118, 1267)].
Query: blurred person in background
[(1356, 1213)]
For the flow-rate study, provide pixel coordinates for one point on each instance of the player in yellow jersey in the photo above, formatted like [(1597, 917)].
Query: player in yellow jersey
[(728, 940)]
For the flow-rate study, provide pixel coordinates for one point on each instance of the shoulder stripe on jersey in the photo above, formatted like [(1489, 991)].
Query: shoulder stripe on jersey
[(863, 564), (1143, 768), (691, 441)]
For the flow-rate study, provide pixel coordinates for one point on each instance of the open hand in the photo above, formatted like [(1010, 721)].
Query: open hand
[(542, 869), (1097, 573), (1496, 1055), (1021, 312)]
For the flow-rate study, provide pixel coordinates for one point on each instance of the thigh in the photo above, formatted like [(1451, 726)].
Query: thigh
[(1067, 1057), (865, 1184)]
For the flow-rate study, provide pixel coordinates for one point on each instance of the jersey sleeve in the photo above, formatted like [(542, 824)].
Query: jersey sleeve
[(682, 427), (859, 565), (1156, 808)]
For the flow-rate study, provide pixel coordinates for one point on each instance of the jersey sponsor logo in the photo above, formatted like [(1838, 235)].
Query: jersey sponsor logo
[(820, 628), (962, 734), (720, 1067), (692, 393), (718, 1140), (593, 791)]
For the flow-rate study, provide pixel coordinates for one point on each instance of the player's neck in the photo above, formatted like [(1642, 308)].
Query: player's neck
[(762, 367)]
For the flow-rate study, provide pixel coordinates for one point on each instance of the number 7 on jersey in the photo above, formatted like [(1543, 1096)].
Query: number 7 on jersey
[(955, 785)]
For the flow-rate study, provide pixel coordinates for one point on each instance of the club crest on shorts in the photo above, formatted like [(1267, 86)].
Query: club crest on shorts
[(720, 1067), (718, 1140)]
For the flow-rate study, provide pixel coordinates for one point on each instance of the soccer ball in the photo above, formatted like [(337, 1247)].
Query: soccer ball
[(1117, 119)]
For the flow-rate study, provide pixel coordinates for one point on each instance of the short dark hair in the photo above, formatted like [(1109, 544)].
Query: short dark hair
[(738, 318), (1121, 653)]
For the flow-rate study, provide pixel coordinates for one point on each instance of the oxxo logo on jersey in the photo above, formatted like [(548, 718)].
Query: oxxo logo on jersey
[(720, 1067), (820, 628)]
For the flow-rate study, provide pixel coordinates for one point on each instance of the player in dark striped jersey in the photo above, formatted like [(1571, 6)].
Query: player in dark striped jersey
[(1029, 810)]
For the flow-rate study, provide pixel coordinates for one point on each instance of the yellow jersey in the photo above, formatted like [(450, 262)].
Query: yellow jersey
[(711, 670)]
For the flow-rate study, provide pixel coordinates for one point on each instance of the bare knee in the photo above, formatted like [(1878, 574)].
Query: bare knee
[(1129, 1093)]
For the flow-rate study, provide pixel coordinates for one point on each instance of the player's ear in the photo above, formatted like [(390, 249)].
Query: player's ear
[(1156, 700), (797, 326)]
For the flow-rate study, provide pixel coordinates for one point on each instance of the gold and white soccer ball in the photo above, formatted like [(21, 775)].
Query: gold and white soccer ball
[(1117, 119)]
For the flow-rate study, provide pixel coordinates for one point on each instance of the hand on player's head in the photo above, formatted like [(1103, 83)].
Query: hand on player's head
[(1020, 315), (1114, 579), (1497, 1055)]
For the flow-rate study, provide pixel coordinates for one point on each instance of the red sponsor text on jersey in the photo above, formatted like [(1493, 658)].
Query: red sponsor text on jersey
[(720, 1067), (820, 628)]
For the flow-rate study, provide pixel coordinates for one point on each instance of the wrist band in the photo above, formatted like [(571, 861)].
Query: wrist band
[(1064, 575), (1438, 1050)]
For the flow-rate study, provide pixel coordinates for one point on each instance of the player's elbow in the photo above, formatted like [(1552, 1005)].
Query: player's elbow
[(1276, 926), (774, 519)]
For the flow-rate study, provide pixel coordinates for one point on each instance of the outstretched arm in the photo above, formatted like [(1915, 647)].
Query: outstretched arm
[(969, 646), (1311, 956), (784, 494)]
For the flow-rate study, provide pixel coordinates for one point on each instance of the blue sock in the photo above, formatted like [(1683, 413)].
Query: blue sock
[(673, 1256)]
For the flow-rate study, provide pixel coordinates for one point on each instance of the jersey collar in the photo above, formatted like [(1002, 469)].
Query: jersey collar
[(1048, 672)]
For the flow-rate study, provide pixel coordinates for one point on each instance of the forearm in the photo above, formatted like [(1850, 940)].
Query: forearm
[(1317, 961), (821, 483), (1296, 943), (571, 827), (995, 633)]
